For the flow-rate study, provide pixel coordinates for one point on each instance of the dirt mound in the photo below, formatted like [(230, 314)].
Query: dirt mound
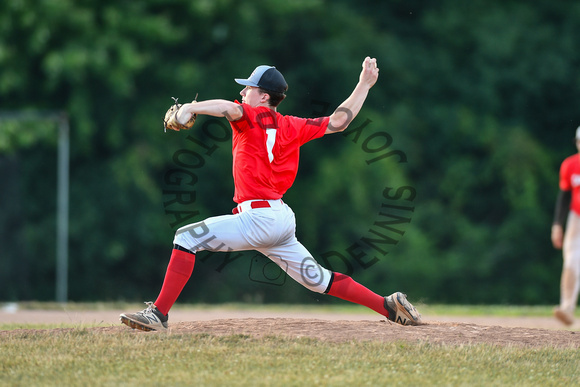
[(444, 333), (332, 327)]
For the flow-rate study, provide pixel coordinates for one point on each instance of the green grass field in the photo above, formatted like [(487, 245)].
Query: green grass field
[(83, 356)]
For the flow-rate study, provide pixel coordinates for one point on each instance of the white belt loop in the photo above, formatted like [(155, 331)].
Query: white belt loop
[(247, 205)]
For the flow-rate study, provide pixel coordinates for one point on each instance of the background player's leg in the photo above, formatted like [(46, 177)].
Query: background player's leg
[(569, 282)]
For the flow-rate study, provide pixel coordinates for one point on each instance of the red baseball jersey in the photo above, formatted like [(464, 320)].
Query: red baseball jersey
[(570, 180), (266, 149)]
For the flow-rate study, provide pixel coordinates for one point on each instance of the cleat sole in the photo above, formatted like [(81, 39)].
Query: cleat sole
[(134, 325)]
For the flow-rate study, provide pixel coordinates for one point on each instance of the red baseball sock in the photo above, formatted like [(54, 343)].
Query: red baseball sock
[(348, 289), (178, 272)]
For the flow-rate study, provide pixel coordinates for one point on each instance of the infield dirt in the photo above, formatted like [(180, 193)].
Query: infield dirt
[(334, 327)]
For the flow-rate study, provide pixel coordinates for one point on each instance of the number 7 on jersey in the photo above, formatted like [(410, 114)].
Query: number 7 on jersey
[(270, 141)]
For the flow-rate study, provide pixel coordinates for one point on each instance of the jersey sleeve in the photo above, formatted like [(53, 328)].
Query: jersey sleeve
[(252, 117), (244, 122), (312, 128), (565, 178)]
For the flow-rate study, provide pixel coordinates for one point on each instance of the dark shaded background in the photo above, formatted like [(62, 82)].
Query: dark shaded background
[(443, 188)]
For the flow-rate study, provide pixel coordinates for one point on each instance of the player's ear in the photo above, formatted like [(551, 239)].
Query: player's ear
[(265, 98)]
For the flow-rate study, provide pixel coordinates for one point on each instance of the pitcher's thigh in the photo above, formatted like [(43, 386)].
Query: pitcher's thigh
[(218, 233)]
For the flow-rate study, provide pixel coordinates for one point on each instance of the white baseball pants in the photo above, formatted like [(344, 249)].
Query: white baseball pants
[(270, 230)]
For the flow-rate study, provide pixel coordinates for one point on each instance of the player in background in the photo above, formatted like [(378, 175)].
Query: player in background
[(265, 147), (567, 213)]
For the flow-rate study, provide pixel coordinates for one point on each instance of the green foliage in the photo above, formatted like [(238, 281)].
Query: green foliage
[(476, 101)]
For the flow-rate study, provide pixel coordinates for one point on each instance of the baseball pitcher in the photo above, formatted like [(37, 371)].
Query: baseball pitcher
[(266, 149)]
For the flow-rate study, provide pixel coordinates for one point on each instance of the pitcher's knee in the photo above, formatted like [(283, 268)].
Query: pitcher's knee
[(186, 241), (313, 276)]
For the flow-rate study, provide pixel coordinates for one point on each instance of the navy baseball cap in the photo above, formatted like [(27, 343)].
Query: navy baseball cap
[(266, 77)]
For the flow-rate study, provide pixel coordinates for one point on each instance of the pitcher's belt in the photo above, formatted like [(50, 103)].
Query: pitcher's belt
[(253, 204)]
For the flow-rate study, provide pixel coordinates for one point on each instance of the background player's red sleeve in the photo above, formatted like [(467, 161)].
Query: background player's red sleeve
[(565, 180)]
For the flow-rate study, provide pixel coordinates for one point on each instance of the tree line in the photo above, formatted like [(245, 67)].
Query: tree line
[(443, 186)]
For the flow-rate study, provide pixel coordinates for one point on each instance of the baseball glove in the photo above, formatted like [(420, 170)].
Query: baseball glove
[(170, 120)]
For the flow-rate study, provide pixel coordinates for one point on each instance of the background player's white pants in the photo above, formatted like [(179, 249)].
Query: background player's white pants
[(270, 230), (571, 254)]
